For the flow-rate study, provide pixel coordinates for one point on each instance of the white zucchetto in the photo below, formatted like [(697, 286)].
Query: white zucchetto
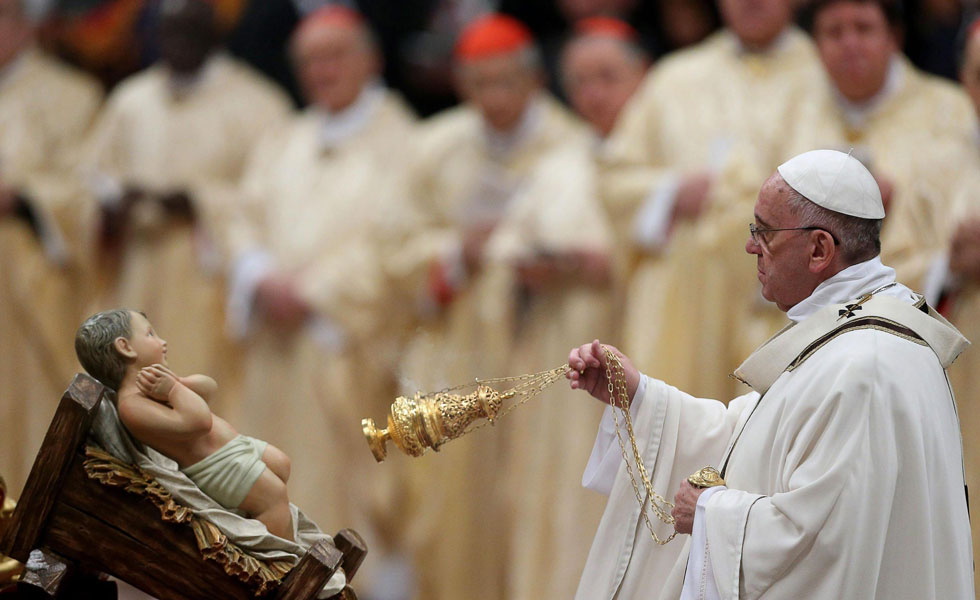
[(836, 181)]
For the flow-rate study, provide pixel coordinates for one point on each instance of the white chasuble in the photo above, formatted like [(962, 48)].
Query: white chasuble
[(845, 476)]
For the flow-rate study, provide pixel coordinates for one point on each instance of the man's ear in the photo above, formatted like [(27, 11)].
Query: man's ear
[(124, 347), (823, 251)]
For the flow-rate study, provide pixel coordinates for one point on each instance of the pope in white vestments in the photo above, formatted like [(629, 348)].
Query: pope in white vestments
[(844, 465)]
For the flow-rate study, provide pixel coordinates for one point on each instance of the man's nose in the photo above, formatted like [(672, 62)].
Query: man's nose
[(752, 246)]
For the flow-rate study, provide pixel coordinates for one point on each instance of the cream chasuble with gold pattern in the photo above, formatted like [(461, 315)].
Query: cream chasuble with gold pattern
[(714, 108), (323, 206), (504, 492), (195, 138), (46, 109), (915, 135), (961, 300)]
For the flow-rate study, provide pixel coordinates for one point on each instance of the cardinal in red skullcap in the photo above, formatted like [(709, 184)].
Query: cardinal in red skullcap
[(335, 57), (492, 35), (607, 27), (602, 65), (516, 269)]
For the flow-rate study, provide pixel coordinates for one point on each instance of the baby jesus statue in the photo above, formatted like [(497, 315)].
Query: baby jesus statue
[(170, 414)]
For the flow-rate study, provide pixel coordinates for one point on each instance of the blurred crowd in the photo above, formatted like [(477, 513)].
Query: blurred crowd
[(324, 205)]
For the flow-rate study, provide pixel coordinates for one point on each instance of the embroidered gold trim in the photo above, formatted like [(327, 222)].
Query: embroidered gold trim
[(876, 323), (262, 576)]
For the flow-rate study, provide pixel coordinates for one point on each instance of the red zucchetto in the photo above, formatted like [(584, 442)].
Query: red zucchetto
[(332, 15), (607, 27), (492, 35)]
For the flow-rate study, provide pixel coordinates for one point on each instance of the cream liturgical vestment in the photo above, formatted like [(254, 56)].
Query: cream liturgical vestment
[(322, 205), (961, 299), (716, 108), (507, 519), (916, 135), (558, 213), (46, 109), (844, 466), (191, 136)]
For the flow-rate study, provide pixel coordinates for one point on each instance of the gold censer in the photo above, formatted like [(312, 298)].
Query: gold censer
[(430, 420)]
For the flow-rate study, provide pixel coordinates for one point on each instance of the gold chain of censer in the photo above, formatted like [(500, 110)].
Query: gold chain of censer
[(432, 420), (619, 398)]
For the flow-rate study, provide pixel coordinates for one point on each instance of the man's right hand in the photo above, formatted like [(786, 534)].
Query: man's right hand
[(964, 253), (8, 200), (692, 196), (281, 303), (587, 370), (474, 241)]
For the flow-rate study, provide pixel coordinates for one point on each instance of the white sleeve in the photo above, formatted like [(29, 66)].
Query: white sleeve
[(51, 236), (600, 472), (938, 279), (699, 581), (247, 271), (652, 222)]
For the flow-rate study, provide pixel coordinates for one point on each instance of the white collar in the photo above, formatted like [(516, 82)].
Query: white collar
[(857, 113), (182, 85), (501, 143), (9, 71), (338, 127), (778, 44), (853, 282)]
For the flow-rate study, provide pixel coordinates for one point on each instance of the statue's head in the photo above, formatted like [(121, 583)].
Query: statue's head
[(109, 342)]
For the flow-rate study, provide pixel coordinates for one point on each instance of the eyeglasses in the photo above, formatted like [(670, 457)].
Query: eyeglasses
[(758, 233)]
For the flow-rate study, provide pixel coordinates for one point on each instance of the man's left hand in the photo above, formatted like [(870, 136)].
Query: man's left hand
[(886, 186), (685, 501), (8, 200), (178, 204)]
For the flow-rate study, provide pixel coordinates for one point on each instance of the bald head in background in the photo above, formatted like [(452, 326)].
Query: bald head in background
[(335, 56), (601, 68)]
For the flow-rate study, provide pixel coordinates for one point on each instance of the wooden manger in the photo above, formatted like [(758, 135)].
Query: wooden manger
[(102, 528)]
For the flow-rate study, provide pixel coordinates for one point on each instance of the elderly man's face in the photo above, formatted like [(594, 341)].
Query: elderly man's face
[(500, 87), (970, 73), (600, 76), (15, 30), (856, 45), (782, 256), (756, 22), (334, 63)]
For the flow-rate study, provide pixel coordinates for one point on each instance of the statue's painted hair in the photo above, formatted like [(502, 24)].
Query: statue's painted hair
[(95, 345)]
